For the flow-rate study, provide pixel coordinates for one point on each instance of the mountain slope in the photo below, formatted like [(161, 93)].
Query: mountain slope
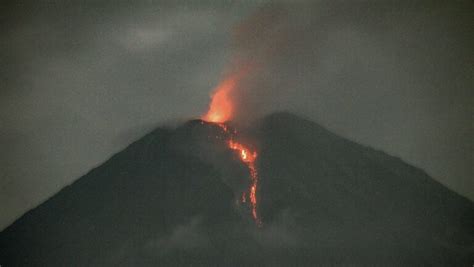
[(171, 198), (356, 200)]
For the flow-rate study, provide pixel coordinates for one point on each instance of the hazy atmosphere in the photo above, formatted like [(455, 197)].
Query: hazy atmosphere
[(82, 80)]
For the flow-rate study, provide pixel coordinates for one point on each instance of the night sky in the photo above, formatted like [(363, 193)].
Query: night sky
[(81, 80)]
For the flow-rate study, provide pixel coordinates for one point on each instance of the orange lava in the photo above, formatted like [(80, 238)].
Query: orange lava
[(221, 108), (220, 111), (248, 157)]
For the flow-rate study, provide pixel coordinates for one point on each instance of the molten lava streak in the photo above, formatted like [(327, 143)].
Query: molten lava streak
[(248, 157), (221, 110)]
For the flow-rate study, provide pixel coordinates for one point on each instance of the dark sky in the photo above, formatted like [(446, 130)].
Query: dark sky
[(81, 80)]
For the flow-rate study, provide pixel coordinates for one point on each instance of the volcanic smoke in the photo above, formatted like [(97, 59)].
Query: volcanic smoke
[(221, 110)]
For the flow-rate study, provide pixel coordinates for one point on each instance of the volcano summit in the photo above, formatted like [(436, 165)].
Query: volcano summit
[(174, 197)]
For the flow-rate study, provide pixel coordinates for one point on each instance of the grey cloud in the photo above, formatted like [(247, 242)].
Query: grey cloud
[(187, 237), (395, 76)]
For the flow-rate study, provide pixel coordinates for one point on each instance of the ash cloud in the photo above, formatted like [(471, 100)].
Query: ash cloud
[(394, 76)]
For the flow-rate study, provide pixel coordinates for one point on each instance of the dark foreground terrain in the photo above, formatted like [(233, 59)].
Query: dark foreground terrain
[(171, 198)]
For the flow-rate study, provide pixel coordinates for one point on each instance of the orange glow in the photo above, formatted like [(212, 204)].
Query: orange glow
[(248, 157), (221, 108), (220, 111)]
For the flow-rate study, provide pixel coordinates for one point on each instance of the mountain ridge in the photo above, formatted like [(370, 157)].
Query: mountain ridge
[(172, 194)]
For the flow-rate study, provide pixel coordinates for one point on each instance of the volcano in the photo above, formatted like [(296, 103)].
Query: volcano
[(180, 197)]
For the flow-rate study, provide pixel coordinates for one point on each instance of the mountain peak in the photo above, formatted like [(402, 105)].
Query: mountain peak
[(174, 198)]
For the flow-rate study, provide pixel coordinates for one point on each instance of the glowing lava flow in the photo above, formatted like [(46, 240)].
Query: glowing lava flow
[(248, 157), (221, 110)]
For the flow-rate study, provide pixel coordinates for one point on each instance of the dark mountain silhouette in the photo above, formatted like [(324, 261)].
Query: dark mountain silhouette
[(170, 198)]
